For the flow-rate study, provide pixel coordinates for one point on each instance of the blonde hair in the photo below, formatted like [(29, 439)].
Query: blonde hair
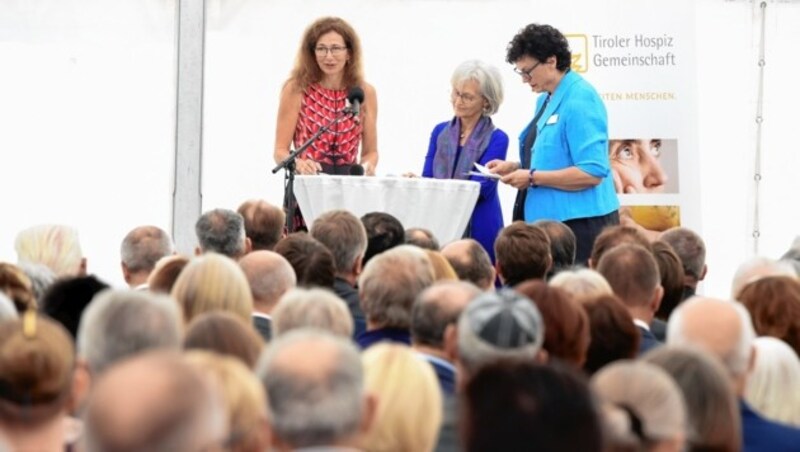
[(244, 397), (410, 402), (644, 392), (53, 245), (312, 308), (213, 282), (773, 387), (583, 284), (17, 286), (442, 270)]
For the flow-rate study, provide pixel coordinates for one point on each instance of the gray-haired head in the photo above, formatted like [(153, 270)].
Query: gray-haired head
[(690, 248), (143, 246), (756, 268), (221, 231), (723, 328), (438, 307), (270, 275), (391, 282), (471, 262), (7, 309), (503, 324), (489, 80), (315, 387), (344, 234), (41, 278), (312, 308), (121, 323)]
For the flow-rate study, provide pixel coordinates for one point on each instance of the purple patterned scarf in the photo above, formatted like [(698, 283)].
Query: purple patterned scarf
[(447, 146)]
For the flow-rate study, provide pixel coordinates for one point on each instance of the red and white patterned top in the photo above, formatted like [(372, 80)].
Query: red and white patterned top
[(338, 145)]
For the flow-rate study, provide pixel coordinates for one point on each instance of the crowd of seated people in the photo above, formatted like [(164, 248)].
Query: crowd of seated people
[(363, 335)]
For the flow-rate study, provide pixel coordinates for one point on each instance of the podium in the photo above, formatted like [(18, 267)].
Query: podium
[(443, 206)]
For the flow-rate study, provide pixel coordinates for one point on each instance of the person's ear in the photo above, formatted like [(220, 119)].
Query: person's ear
[(82, 271), (370, 412), (590, 264), (126, 273), (81, 384), (451, 342), (542, 357), (198, 251), (499, 272), (248, 245), (658, 295), (703, 273), (358, 266)]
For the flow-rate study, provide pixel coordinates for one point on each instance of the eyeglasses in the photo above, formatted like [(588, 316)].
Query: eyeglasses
[(334, 50), (466, 98), (526, 75)]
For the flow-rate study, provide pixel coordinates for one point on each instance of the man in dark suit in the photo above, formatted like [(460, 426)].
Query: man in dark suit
[(725, 329), (270, 276), (632, 272), (344, 235), (434, 316)]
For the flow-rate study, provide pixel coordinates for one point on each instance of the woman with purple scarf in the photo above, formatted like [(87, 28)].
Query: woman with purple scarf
[(469, 138)]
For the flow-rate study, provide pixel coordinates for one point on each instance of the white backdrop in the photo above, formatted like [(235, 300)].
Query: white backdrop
[(87, 110)]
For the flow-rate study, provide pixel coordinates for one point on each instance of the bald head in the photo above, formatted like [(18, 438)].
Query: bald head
[(315, 388), (471, 262), (173, 408), (270, 276), (723, 328), (438, 307)]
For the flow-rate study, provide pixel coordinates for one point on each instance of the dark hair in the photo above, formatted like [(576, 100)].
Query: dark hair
[(516, 405), (566, 325), (383, 232), (226, 334), (311, 260), (66, 300), (632, 272), (263, 223), (774, 305), (474, 266), (616, 235), (671, 270), (523, 252), (422, 238), (221, 231), (563, 244), (614, 335), (540, 42)]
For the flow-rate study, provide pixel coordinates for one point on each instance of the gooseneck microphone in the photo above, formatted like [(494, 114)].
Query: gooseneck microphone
[(355, 97)]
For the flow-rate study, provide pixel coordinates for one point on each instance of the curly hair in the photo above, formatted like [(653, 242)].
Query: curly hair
[(540, 42), (306, 71)]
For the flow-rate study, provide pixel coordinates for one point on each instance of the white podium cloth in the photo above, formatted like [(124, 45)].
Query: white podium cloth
[(442, 206)]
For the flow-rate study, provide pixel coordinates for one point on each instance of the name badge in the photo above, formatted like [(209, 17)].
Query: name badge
[(552, 119)]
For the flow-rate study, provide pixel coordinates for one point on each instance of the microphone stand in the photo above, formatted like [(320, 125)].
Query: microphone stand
[(289, 163)]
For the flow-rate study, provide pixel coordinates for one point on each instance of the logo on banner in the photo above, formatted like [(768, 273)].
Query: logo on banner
[(579, 45)]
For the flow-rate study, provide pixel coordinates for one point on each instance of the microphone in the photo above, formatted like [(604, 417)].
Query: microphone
[(355, 96), (356, 170)]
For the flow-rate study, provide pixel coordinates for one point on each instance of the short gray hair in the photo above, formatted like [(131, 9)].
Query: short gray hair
[(144, 246), (121, 323), (344, 235), (758, 267), (221, 231), (689, 247), (318, 409), (490, 82), (737, 359), (312, 308), (391, 282), (269, 274)]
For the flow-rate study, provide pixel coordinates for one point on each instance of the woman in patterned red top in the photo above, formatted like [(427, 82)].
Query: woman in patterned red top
[(328, 64)]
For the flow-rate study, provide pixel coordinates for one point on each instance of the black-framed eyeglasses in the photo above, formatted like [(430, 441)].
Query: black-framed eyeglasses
[(526, 75), (334, 50)]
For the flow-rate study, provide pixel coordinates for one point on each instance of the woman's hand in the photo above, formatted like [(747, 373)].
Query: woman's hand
[(519, 179), (307, 166), (502, 167)]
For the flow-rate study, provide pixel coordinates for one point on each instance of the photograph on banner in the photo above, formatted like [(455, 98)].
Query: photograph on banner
[(644, 165), (652, 220)]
